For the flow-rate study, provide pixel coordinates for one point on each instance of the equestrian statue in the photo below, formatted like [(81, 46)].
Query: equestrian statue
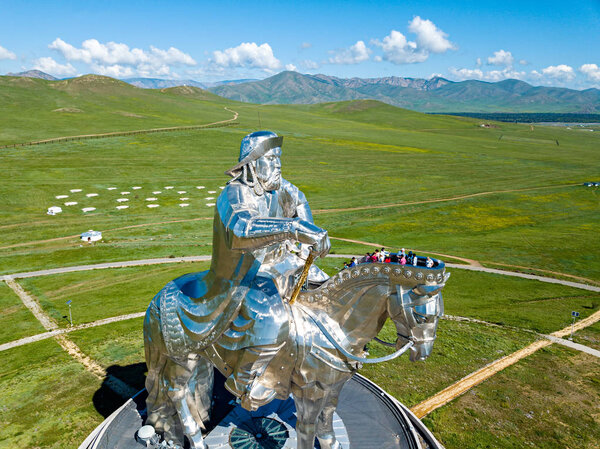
[(247, 316)]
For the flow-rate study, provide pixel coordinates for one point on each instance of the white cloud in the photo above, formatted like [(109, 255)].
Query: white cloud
[(117, 59), (291, 67), (6, 54), (352, 55), (491, 75), (479, 63), (116, 71), (591, 71), (52, 67), (247, 54), (499, 75), (398, 50), (310, 65), (561, 72), (305, 45), (466, 74), (523, 62), (430, 37), (502, 58)]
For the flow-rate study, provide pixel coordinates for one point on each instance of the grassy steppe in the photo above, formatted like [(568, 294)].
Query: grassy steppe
[(104, 293), (350, 155), (46, 398), (347, 157), (15, 320), (549, 400), (38, 109)]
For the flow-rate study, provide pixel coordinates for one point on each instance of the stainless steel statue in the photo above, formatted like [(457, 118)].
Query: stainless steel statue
[(238, 318)]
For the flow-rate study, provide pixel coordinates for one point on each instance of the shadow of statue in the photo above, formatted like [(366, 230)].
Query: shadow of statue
[(106, 400)]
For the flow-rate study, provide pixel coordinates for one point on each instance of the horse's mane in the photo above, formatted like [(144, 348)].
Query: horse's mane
[(365, 272)]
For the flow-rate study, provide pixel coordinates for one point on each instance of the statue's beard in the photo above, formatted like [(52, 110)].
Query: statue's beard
[(273, 182)]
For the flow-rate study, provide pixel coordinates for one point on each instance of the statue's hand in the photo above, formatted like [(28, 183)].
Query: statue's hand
[(307, 232), (322, 245)]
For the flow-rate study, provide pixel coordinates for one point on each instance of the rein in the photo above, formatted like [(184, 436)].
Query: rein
[(347, 354)]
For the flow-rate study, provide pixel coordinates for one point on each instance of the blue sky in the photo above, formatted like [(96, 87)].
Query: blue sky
[(544, 43)]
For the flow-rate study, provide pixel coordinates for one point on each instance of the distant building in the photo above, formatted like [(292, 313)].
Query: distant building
[(91, 236), (54, 210)]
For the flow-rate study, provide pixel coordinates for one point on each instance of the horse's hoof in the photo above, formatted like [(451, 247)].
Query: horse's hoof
[(329, 443), (197, 442)]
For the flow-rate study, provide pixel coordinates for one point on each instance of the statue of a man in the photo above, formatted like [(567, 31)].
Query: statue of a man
[(262, 228)]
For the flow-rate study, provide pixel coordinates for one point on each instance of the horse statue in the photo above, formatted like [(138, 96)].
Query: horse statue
[(329, 326)]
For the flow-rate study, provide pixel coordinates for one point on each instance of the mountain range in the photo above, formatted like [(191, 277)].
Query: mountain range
[(34, 74), (425, 95), (156, 83), (434, 95)]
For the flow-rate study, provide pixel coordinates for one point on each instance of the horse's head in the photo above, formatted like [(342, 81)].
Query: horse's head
[(360, 295), (417, 306)]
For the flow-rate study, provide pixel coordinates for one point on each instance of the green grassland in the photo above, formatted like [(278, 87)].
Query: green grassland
[(103, 293), (368, 153), (38, 109), (46, 398), (15, 320), (347, 157), (549, 400)]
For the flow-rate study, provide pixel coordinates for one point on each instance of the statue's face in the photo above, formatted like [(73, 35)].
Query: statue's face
[(268, 169)]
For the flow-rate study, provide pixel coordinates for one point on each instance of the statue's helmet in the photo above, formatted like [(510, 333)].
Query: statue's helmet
[(254, 146)]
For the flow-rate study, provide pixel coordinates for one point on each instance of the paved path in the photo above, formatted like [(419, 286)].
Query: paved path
[(66, 330), (33, 306), (99, 266), (592, 288), (133, 263), (573, 345)]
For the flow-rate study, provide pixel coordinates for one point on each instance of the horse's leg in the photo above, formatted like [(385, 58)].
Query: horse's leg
[(309, 404), (325, 432), (160, 409), (201, 387), (181, 392)]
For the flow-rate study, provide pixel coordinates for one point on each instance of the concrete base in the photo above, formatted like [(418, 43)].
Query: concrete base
[(367, 417)]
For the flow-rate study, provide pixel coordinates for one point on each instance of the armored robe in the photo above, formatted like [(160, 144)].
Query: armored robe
[(239, 301)]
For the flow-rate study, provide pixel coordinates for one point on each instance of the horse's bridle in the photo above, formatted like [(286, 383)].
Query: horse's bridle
[(344, 351)]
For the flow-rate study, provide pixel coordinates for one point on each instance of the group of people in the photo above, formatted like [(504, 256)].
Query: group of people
[(383, 256)]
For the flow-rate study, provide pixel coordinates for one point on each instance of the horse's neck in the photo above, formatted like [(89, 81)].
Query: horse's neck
[(357, 304)]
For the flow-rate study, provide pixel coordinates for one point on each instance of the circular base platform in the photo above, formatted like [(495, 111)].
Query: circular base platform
[(367, 417)]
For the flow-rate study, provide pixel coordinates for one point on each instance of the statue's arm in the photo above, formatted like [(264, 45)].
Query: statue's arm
[(251, 232), (245, 229)]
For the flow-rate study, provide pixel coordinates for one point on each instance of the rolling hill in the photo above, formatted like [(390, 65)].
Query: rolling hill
[(38, 108), (434, 95)]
